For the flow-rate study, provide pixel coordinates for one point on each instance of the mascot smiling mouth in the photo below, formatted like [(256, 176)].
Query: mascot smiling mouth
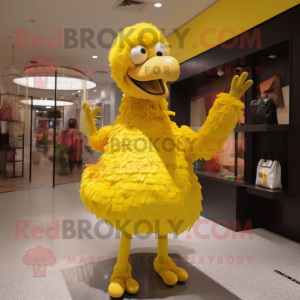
[(153, 87), (150, 78)]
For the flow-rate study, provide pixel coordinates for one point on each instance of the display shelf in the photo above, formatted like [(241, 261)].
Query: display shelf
[(13, 174), (211, 176), (261, 128), (250, 188), (266, 193)]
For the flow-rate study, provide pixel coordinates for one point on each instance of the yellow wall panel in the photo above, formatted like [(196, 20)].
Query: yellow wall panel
[(222, 21)]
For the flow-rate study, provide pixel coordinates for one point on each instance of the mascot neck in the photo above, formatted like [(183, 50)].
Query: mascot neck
[(142, 109)]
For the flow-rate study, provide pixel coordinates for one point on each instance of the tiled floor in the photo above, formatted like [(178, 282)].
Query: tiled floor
[(243, 267)]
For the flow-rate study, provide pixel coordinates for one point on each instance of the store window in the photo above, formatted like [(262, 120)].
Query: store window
[(229, 161), (43, 131)]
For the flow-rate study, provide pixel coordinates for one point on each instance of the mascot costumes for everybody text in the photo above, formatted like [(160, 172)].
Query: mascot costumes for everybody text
[(144, 183)]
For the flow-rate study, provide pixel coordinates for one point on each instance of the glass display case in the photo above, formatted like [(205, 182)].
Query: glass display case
[(229, 161)]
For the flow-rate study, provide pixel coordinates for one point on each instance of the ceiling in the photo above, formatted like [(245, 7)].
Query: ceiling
[(77, 14)]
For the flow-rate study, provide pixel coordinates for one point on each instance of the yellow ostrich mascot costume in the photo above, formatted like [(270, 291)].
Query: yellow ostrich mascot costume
[(144, 182)]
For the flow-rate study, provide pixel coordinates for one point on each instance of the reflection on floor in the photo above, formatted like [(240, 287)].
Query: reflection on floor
[(42, 174), (241, 265), (91, 281)]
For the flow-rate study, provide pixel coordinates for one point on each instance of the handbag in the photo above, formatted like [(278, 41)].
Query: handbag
[(272, 87), (268, 173), (263, 112)]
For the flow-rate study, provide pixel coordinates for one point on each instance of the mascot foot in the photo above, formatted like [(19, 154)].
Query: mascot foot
[(121, 281), (169, 272)]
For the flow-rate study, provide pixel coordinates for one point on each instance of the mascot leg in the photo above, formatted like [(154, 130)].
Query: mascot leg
[(164, 265), (121, 278)]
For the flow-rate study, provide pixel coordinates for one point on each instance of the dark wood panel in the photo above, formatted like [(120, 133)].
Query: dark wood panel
[(219, 201), (273, 31), (296, 20), (282, 217), (178, 104), (249, 209), (294, 118), (218, 56)]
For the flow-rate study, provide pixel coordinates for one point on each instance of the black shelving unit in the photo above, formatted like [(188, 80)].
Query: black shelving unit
[(220, 179), (277, 194), (14, 161), (21, 136), (262, 128)]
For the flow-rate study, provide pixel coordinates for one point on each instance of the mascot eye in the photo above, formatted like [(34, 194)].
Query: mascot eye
[(160, 49), (139, 55)]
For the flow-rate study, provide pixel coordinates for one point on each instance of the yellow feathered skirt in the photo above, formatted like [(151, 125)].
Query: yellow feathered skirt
[(143, 183)]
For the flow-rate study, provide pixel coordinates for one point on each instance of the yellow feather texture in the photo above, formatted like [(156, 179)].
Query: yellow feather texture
[(221, 120), (145, 177)]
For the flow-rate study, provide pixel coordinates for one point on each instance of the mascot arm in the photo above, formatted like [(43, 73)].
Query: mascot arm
[(221, 120), (97, 138)]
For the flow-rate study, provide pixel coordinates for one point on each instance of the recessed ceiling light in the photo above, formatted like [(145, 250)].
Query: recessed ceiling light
[(220, 72), (158, 5), (95, 56), (272, 56), (79, 91), (95, 90)]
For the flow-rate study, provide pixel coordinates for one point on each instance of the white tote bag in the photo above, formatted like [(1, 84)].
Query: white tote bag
[(268, 173)]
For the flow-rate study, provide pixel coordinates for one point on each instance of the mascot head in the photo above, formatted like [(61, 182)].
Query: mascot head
[(140, 62)]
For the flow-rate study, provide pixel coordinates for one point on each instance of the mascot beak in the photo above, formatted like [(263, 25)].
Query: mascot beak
[(150, 79)]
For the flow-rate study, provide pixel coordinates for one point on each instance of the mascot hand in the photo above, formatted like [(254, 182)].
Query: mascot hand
[(90, 115), (237, 88), (86, 106)]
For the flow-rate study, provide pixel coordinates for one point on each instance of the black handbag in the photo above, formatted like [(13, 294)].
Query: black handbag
[(263, 112)]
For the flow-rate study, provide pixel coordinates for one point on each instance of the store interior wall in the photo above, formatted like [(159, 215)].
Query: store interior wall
[(111, 95)]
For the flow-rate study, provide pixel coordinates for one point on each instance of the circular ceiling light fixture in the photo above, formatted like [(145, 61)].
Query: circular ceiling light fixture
[(48, 83), (272, 56), (95, 56), (40, 74), (158, 5), (46, 102)]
